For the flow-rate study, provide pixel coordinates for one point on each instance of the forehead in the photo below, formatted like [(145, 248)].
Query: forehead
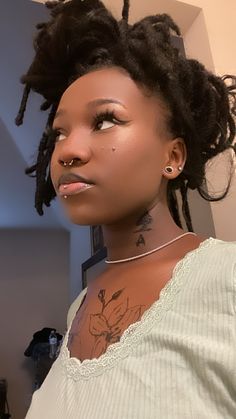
[(112, 83)]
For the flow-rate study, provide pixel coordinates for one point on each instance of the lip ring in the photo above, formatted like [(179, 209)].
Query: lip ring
[(65, 194)]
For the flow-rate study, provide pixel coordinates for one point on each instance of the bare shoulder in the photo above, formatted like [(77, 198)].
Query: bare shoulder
[(189, 244)]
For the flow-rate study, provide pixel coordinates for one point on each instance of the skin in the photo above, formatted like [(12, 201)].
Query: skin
[(125, 163)]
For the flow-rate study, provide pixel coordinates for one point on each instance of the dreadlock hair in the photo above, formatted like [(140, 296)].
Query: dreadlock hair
[(83, 35)]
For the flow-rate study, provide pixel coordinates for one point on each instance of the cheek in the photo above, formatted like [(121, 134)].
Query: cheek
[(133, 174), (137, 162)]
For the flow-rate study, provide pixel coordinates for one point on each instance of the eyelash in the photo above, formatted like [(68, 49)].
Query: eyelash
[(108, 115)]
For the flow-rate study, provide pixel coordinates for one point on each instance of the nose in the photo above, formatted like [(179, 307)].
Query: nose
[(73, 151), (70, 163)]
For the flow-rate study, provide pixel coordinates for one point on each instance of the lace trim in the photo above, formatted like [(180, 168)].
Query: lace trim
[(88, 368)]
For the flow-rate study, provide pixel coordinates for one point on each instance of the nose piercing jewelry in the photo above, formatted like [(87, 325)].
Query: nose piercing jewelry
[(180, 168), (169, 169), (66, 163)]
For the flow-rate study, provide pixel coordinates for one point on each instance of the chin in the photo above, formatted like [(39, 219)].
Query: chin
[(80, 216), (80, 219), (95, 214)]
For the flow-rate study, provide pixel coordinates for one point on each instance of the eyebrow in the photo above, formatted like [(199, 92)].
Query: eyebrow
[(102, 101), (93, 104)]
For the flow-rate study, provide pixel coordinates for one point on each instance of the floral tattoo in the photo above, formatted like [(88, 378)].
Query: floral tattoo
[(107, 328)]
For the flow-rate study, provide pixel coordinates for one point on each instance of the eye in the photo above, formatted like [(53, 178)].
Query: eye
[(104, 125), (57, 135), (105, 120)]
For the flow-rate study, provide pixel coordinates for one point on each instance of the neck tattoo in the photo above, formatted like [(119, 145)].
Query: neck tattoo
[(150, 251), (143, 224)]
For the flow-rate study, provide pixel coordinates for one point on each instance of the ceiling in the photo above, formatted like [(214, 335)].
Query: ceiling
[(19, 144)]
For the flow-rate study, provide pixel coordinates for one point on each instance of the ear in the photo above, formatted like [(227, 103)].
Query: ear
[(176, 156)]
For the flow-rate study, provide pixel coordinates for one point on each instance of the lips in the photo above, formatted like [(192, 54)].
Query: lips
[(72, 184)]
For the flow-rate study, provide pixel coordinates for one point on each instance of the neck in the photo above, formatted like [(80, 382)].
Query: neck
[(141, 233)]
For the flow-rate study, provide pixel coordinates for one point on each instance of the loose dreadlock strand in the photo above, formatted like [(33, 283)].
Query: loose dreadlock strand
[(49, 191), (45, 150), (125, 10), (20, 116), (31, 170), (202, 190), (185, 206), (45, 105), (173, 205), (41, 167)]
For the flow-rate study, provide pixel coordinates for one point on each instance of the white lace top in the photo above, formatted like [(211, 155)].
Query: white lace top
[(177, 362)]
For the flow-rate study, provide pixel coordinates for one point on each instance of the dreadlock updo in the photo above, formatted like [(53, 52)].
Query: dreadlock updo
[(82, 35)]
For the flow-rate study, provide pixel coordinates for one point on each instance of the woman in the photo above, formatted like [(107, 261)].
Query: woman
[(131, 121)]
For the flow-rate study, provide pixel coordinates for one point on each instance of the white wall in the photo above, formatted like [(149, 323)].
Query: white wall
[(219, 18), (212, 39), (34, 293)]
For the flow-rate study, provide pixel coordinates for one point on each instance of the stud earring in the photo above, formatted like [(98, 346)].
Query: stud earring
[(180, 168), (169, 169)]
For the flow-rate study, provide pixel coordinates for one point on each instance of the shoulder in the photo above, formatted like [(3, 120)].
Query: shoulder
[(75, 306), (219, 247), (218, 257), (211, 275)]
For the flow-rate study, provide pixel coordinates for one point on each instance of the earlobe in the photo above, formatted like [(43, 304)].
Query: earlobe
[(170, 169), (176, 157)]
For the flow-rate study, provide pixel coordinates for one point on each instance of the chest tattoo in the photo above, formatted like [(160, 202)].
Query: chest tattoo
[(109, 323)]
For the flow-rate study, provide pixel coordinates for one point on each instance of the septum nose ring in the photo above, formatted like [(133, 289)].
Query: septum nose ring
[(66, 163)]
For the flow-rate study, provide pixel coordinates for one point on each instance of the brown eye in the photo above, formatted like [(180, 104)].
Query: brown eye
[(104, 125), (105, 120), (60, 137), (57, 135)]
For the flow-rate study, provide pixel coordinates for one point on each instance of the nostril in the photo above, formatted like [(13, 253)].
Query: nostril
[(70, 163), (63, 163)]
